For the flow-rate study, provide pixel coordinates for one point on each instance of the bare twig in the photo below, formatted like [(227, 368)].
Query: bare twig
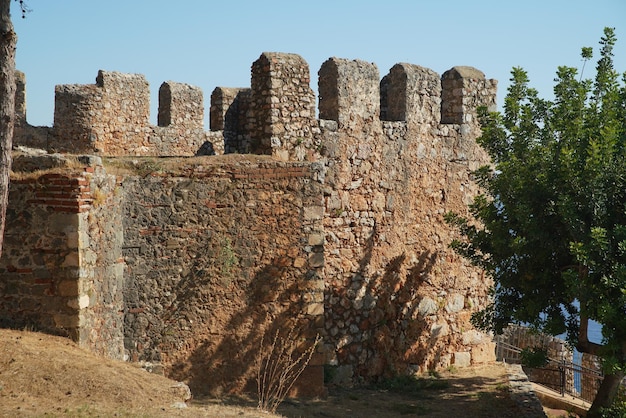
[(278, 367)]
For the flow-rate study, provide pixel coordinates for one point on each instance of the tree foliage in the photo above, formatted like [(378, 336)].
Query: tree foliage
[(550, 225)]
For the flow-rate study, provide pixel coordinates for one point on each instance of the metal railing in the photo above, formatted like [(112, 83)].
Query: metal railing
[(562, 376)]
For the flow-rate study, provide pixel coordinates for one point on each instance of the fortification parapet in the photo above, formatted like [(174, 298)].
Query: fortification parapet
[(411, 93), (223, 100), (180, 104), (25, 134), (108, 117), (111, 117), (20, 97), (229, 108), (281, 118), (349, 92), (464, 89)]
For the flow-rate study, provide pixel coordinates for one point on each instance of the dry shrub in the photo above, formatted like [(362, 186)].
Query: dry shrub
[(278, 367)]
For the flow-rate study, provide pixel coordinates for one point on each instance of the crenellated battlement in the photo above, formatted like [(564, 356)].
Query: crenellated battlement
[(111, 117), (275, 116)]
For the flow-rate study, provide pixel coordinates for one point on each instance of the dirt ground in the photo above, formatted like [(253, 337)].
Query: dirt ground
[(48, 376)]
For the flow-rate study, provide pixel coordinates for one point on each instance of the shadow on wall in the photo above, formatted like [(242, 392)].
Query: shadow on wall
[(397, 314), (382, 329), (222, 359), (226, 364)]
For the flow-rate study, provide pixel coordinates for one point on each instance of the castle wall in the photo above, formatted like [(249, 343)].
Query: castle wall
[(25, 134), (111, 118), (229, 109), (281, 116), (397, 298), (339, 223), (463, 90), (60, 268), (411, 92), (217, 253)]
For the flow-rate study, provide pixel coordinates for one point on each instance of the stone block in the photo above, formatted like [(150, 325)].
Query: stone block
[(299, 262), (472, 337), (66, 321), (315, 309), (439, 330), (316, 239), (427, 306), (71, 260), (316, 260), (462, 358), (456, 302), (484, 353), (67, 288)]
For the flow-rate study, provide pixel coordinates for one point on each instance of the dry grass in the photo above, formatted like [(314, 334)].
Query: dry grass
[(43, 375), (143, 166), (32, 164), (31, 170)]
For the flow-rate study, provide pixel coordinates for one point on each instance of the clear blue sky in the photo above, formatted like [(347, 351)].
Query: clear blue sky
[(213, 43)]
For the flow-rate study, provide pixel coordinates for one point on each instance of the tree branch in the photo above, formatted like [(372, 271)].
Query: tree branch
[(584, 345)]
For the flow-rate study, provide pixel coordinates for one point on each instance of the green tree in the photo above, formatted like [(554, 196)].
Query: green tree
[(550, 225)]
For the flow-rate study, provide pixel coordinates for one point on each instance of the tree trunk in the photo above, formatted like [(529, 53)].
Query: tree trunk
[(8, 40), (606, 394)]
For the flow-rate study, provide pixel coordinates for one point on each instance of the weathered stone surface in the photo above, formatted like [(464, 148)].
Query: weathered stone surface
[(111, 117), (456, 302), (427, 306), (62, 246), (473, 337), (462, 359), (230, 261), (484, 353)]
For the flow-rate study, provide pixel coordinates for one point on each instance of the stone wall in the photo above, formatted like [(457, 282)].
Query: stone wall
[(25, 134), (229, 107), (111, 118), (61, 262), (398, 299), (340, 224), (217, 253), (276, 116)]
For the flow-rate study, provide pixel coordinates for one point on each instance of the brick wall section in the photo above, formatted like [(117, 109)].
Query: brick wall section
[(63, 194), (39, 280), (216, 254), (60, 267)]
